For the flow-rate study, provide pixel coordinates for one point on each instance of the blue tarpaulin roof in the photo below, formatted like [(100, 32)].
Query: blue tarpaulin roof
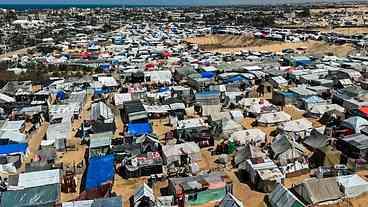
[(13, 148), (137, 129), (100, 170), (207, 74), (60, 95), (236, 78), (163, 89)]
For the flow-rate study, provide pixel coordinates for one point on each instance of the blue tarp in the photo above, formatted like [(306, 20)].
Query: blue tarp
[(163, 89), (105, 67), (313, 99), (60, 95), (208, 93), (141, 128), (99, 171), (207, 74), (13, 148), (236, 78), (99, 91)]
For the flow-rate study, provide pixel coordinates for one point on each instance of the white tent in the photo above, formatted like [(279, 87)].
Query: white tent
[(323, 108), (143, 191), (244, 136), (353, 185), (296, 125), (273, 118)]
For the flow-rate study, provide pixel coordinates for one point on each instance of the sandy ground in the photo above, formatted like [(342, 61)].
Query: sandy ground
[(233, 44), (347, 31)]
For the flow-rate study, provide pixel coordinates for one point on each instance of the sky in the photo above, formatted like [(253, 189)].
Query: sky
[(160, 2)]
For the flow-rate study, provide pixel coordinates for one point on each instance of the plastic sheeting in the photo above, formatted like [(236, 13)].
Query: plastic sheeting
[(282, 197), (137, 129), (37, 196), (100, 170), (13, 149)]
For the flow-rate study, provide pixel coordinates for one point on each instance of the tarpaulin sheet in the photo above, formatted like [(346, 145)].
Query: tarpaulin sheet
[(37, 196), (207, 74), (237, 78), (99, 171), (13, 148), (140, 128)]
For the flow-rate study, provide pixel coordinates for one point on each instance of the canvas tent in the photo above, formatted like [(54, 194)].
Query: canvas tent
[(355, 123), (296, 125), (244, 136), (316, 191), (34, 179), (282, 197), (143, 191), (273, 118)]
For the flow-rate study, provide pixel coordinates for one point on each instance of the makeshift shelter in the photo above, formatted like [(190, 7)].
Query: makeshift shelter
[(47, 195), (264, 174), (317, 191), (273, 118), (355, 123), (100, 170), (34, 179), (201, 189), (246, 136), (282, 197), (145, 164), (172, 153), (284, 147), (208, 97), (230, 201), (139, 128), (320, 109), (143, 191), (100, 202), (352, 185), (133, 111), (353, 146), (300, 127), (102, 118)]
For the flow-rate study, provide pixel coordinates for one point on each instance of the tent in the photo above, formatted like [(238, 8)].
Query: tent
[(13, 136), (230, 201), (352, 185), (46, 195), (282, 197), (320, 109), (355, 123), (244, 136), (143, 191), (208, 74), (315, 191), (99, 171), (273, 118), (296, 125), (287, 148), (139, 128), (101, 202)]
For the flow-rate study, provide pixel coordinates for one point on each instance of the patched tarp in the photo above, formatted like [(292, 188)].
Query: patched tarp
[(100, 170), (37, 196), (140, 128)]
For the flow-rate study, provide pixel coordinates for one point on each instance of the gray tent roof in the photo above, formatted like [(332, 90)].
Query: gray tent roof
[(316, 140), (314, 191), (37, 196), (282, 197)]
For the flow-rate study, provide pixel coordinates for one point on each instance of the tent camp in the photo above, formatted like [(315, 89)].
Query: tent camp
[(282, 197), (316, 191), (273, 118)]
